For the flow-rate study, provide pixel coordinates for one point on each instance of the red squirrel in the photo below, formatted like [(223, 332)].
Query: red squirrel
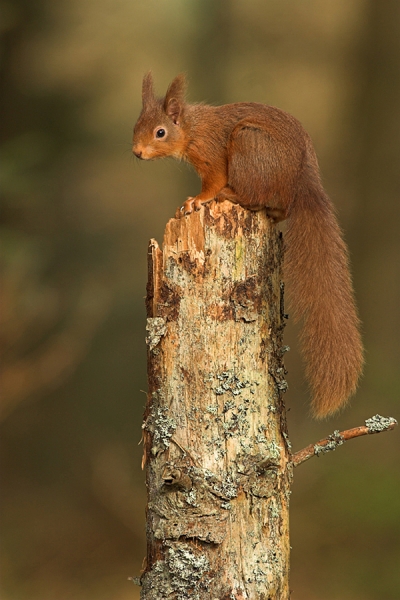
[(261, 158)]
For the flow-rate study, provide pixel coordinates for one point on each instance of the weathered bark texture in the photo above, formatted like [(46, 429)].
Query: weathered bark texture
[(215, 440)]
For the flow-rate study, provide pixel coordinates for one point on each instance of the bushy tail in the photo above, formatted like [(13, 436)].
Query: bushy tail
[(321, 293)]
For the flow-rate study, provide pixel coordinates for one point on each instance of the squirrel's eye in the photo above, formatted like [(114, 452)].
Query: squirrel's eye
[(160, 133)]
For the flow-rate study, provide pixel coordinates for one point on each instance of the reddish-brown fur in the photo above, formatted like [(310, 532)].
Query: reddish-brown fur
[(262, 158)]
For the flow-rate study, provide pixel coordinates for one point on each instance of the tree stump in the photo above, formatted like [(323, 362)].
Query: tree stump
[(216, 450)]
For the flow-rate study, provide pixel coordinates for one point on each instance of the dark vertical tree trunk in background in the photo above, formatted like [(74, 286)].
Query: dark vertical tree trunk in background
[(376, 134), (211, 50), (215, 439)]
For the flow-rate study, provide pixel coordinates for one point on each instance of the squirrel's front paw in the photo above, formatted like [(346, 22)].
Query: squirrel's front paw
[(185, 209), (188, 206), (191, 204)]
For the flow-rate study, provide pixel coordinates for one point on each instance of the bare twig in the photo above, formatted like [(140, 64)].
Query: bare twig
[(337, 438)]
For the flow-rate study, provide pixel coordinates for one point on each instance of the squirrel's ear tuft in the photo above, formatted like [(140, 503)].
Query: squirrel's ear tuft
[(175, 97), (147, 88), (177, 89)]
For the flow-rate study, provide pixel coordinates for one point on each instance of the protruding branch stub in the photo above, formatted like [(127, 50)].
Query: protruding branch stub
[(375, 424)]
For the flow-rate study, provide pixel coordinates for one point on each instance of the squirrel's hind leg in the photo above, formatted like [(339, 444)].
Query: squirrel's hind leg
[(257, 173)]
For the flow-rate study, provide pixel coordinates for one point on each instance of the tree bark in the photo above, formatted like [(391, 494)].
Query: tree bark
[(216, 450)]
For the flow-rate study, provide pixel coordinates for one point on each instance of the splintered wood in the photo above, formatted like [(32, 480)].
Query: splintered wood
[(216, 450)]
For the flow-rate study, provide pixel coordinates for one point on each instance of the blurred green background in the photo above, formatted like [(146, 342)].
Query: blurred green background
[(77, 213)]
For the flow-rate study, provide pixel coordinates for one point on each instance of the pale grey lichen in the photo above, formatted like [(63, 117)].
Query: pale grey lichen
[(246, 445), (156, 328), (259, 574), (237, 424), (260, 438), (274, 449), (377, 423), (283, 385), (229, 405), (156, 582), (160, 425), (273, 509), (335, 440), (273, 558), (191, 498), (186, 570), (230, 383), (225, 489)]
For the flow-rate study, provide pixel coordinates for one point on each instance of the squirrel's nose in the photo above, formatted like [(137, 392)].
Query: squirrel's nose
[(137, 153)]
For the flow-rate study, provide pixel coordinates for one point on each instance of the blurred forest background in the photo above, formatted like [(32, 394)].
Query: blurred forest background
[(77, 213)]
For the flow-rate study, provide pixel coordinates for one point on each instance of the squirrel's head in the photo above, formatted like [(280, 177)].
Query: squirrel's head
[(158, 132)]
